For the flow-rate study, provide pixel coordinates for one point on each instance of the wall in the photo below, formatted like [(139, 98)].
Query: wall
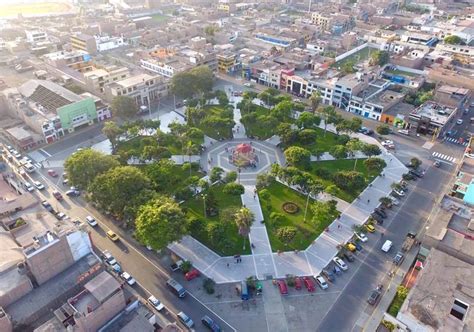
[(68, 112), (349, 53)]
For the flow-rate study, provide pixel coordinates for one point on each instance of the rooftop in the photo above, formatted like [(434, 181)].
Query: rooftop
[(132, 321), (102, 286), (437, 295), (64, 55), (436, 112), (134, 80), (19, 133), (386, 98)]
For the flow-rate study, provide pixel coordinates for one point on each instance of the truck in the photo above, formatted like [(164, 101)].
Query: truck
[(409, 241), (176, 265)]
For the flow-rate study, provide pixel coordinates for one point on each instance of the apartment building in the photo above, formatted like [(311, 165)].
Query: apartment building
[(143, 88), (335, 23), (431, 118), (97, 79), (36, 36), (77, 60), (374, 106), (227, 63), (84, 42)]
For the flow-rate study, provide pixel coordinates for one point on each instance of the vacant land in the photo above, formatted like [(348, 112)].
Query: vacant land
[(33, 9)]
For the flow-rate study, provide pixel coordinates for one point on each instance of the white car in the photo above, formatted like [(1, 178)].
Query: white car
[(394, 200), (128, 278), (388, 144), (321, 282), (38, 185), (340, 263), (361, 236), (399, 193), (29, 187), (459, 121), (404, 132), (386, 246), (91, 221), (155, 303), (109, 259)]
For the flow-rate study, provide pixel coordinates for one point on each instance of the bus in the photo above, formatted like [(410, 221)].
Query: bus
[(176, 288), (244, 291)]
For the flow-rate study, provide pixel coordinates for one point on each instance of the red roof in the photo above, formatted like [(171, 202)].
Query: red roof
[(243, 148)]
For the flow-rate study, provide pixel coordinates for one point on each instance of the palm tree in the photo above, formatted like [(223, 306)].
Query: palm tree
[(353, 146), (244, 219), (315, 99), (190, 149)]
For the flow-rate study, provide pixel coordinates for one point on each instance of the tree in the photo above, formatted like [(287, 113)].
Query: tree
[(216, 232), (349, 180), (352, 147), (264, 180), (453, 40), (124, 107), (371, 150), (287, 134), (204, 78), (244, 219), (233, 188), (286, 234), (216, 174), (375, 164), (415, 162), (315, 99), (328, 113), (324, 212), (379, 58), (230, 177), (338, 151), (210, 30), (197, 80), (383, 129), (296, 155), (385, 201), (84, 166), (121, 190), (348, 67), (160, 222), (308, 120), (282, 111)]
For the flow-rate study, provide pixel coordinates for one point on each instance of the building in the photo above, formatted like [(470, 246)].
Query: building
[(105, 43), (49, 109), (23, 139), (143, 88), (431, 118), (97, 79), (227, 63), (77, 60), (451, 96), (36, 36), (441, 297), (84, 42), (101, 300), (277, 41)]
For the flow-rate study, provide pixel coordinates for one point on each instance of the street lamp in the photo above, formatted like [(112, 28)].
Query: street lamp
[(238, 172), (306, 207), (204, 196)]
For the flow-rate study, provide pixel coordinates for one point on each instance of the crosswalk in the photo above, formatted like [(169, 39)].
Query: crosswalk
[(444, 157), (455, 141)]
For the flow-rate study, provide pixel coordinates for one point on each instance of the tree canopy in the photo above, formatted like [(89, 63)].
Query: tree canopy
[(160, 222), (124, 107), (197, 80), (379, 58), (453, 40), (84, 166), (112, 131), (296, 155)]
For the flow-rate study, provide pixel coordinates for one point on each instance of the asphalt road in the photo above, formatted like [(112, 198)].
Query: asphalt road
[(143, 265), (414, 210)]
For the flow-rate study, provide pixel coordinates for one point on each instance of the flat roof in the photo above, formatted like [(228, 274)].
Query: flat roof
[(432, 110), (134, 80), (433, 295), (19, 133), (102, 286), (135, 320)]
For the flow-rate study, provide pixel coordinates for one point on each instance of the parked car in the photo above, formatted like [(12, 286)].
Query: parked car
[(183, 318), (388, 144), (57, 195), (340, 263), (417, 173), (398, 192), (370, 228), (374, 296), (108, 258), (361, 236), (366, 131), (52, 173), (321, 282), (381, 212), (349, 256), (357, 245), (60, 215), (387, 245), (111, 235), (38, 185), (328, 274), (459, 121), (309, 284), (191, 275), (128, 278), (47, 206), (351, 247), (377, 218), (298, 283), (404, 132), (398, 259), (395, 200), (91, 221), (73, 192), (155, 303), (337, 270), (210, 324), (176, 265), (282, 287)]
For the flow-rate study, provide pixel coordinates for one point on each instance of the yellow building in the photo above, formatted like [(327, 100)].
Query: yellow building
[(320, 20), (225, 62)]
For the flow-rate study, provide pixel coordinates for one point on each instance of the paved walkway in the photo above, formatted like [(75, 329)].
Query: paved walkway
[(263, 263), (327, 156), (238, 130)]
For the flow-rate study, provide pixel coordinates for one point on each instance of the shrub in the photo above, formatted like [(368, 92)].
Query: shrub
[(323, 173), (196, 224), (230, 177), (343, 139), (251, 283), (286, 234), (388, 325), (290, 280), (233, 189), (186, 266), (398, 300), (208, 285), (290, 207), (276, 218)]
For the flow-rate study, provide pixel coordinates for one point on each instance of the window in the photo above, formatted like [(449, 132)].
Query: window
[(459, 309)]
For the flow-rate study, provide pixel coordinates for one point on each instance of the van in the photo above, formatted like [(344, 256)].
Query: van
[(176, 288), (244, 291), (386, 246)]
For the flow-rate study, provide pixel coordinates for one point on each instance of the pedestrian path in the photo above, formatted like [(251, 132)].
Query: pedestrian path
[(455, 141), (444, 157), (326, 156)]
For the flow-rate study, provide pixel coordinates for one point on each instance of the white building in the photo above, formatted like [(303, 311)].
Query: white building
[(36, 36), (105, 43)]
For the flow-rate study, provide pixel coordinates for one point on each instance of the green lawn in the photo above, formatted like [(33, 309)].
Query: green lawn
[(324, 141), (233, 242), (160, 18), (334, 166), (217, 132), (306, 231)]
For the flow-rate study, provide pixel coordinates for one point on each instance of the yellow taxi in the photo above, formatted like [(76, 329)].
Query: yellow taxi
[(111, 235), (370, 228), (351, 247)]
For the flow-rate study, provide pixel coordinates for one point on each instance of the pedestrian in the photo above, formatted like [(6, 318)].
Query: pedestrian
[(227, 264), (254, 196), (338, 226), (368, 201)]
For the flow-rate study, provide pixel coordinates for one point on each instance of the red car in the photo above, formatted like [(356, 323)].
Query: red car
[(57, 195), (298, 283), (309, 284), (52, 172), (191, 274), (282, 287)]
